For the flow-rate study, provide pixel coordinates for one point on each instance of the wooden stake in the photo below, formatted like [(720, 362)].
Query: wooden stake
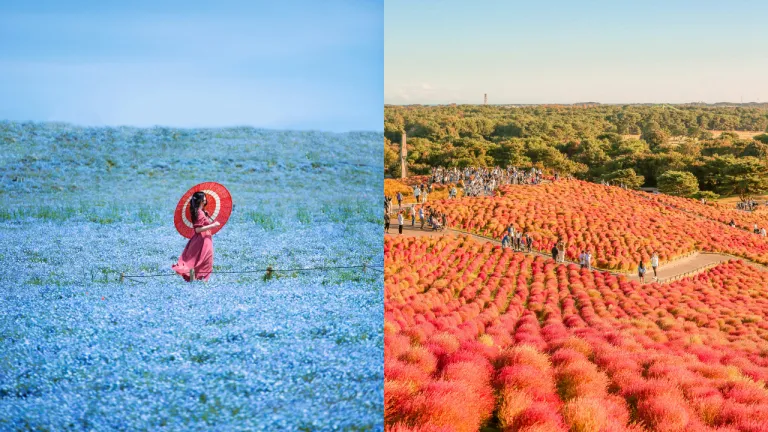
[(192, 275)]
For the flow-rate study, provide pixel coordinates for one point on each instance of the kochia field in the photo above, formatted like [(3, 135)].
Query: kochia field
[(619, 226), (480, 338)]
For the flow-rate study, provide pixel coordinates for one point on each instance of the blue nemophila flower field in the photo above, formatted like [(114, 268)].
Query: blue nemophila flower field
[(79, 350)]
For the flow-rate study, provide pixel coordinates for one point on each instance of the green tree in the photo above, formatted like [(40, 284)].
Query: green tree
[(763, 138), (678, 183), (510, 153), (626, 176), (654, 137), (707, 195), (744, 177), (630, 147), (391, 160), (591, 153), (551, 158), (756, 149)]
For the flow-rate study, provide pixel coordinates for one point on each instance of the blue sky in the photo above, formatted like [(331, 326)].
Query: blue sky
[(281, 65), (575, 51)]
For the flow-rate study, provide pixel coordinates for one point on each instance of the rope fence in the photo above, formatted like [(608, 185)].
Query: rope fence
[(268, 271)]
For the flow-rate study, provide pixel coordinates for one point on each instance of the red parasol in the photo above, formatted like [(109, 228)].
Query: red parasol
[(219, 207)]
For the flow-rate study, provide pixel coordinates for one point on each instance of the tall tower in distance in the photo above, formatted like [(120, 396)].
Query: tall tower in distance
[(485, 98), (403, 155)]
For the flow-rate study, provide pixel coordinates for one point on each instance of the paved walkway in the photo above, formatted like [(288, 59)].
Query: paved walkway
[(669, 272)]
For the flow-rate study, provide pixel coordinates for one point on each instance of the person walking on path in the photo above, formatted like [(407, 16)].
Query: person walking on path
[(505, 241), (763, 233), (445, 221), (416, 193), (400, 221), (421, 216), (582, 259), (555, 252), (529, 242), (561, 251), (588, 259), (655, 264), (399, 199), (435, 222), (413, 217), (386, 222), (641, 271), (198, 254)]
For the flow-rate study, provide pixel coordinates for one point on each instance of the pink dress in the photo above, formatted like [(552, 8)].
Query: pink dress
[(198, 254)]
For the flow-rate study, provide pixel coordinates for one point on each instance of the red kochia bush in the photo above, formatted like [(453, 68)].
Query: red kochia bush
[(580, 379), (585, 414), (527, 378), (454, 404), (396, 345), (664, 413), (401, 371), (421, 357), (400, 427), (540, 416), (397, 396)]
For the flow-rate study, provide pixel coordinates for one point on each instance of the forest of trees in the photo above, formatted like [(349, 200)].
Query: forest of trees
[(634, 144)]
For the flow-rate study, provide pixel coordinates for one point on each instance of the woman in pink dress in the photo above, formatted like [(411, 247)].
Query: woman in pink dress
[(198, 254)]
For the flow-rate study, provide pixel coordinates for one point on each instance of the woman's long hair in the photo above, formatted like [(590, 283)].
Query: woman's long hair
[(197, 201)]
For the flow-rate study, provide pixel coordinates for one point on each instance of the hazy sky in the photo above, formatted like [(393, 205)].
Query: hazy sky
[(575, 51), (288, 64)]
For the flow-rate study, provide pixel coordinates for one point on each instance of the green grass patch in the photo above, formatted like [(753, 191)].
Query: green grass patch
[(264, 220), (351, 210), (352, 339), (145, 216), (302, 214)]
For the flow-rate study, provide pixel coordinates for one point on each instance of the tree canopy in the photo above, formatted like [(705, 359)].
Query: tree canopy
[(591, 142), (679, 183)]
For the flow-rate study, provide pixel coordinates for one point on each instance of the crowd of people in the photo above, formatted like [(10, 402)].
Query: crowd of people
[(748, 205), (517, 240), (522, 241), (481, 181), (617, 184), (434, 220)]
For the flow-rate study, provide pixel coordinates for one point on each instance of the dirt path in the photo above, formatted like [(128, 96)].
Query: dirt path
[(669, 272)]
